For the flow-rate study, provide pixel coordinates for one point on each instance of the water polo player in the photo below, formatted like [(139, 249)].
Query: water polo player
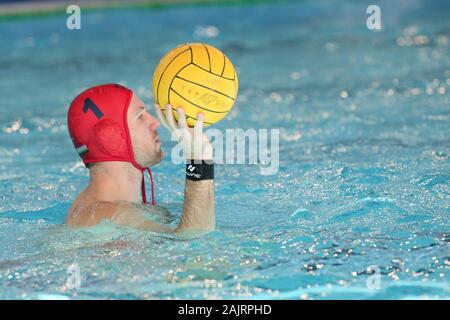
[(118, 141)]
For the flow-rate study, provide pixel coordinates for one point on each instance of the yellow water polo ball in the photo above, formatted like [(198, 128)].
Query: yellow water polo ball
[(199, 78)]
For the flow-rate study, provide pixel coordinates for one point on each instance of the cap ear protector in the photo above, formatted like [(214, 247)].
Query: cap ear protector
[(109, 137), (97, 122)]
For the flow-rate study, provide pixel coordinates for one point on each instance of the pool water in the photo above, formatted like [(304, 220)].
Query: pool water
[(358, 210)]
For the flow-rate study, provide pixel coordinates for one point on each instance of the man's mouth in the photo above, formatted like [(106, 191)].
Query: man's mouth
[(157, 140)]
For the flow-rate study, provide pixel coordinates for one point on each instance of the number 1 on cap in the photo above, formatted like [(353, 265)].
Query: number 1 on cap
[(89, 104)]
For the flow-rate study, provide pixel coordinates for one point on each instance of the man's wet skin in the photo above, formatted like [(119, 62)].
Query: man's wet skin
[(115, 186), (114, 190)]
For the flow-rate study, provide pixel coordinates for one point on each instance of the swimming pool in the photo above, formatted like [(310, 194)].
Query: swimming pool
[(364, 178)]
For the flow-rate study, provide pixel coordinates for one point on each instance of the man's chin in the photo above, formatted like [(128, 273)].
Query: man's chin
[(155, 160), (159, 157)]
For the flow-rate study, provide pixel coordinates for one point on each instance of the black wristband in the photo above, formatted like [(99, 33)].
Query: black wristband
[(199, 171)]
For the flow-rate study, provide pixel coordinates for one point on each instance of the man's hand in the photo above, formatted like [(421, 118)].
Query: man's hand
[(196, 145)]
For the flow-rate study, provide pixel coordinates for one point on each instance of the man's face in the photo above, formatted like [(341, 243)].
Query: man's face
[(144, 137)]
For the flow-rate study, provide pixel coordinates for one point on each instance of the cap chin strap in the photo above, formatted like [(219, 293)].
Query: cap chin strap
[(144, 195)]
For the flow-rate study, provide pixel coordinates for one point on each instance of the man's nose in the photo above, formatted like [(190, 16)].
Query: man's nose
[(154, 123)]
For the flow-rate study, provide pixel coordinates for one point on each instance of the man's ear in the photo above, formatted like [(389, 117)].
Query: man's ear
[(109, 137)]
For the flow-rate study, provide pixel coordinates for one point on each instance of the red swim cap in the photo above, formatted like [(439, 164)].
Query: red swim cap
[(98, 126)]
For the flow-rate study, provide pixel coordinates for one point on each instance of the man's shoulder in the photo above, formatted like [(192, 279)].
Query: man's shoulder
[(95, 212), (120, 212)]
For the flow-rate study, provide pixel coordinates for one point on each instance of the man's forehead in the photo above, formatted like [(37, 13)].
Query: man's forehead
[(136, 103)]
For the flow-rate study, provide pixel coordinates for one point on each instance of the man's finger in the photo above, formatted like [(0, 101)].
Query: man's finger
[(182, 118), (169, 117), (198, 127)]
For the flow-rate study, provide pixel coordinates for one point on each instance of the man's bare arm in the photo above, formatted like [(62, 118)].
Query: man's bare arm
[(136, 216), (198, 212), (199, 207)]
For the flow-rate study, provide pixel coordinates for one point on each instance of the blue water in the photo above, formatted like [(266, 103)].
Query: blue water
[(364, 175)]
